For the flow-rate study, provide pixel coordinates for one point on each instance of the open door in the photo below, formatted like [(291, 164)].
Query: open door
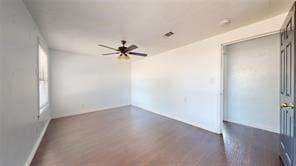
[(287, 90)]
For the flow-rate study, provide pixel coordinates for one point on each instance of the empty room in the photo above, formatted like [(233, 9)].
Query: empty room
[(147, 83)]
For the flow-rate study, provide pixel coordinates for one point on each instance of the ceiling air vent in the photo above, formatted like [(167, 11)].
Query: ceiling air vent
[(169, 34)]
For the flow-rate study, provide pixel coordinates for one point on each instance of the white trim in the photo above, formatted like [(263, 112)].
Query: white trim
[(181, 120), (254, 125), (66, 114), (35, 147), (250, 38)]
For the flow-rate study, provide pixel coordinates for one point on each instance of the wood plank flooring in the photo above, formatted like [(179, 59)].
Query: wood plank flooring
[(130, 136)]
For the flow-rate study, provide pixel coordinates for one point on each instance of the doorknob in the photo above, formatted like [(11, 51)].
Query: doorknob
[(284, 105), (287, 105), (291, 105)]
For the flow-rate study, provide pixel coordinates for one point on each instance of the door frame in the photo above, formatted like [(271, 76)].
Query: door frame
[(223, 74)]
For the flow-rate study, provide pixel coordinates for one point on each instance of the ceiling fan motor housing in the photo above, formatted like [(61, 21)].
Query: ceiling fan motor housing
[(122, 49), (123, 42)]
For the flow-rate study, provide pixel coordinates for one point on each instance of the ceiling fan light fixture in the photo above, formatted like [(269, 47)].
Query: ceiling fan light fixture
[(123, 57), (126, 57)]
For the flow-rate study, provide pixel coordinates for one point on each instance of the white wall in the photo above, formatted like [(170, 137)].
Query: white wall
[(83, 83), (252, 83), (19, 127), (185, 83), (2, 151)]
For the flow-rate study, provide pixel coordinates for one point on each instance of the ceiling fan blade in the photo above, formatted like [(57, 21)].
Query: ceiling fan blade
[(113, 53), (108, 47), (132, 47), (139, 54)]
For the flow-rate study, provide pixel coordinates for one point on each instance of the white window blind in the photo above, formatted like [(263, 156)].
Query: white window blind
[(43, 79)]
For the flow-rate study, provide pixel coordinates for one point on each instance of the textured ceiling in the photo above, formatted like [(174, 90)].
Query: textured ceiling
[(79, 25)]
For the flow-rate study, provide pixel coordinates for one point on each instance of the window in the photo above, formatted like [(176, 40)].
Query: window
[(43, 79)]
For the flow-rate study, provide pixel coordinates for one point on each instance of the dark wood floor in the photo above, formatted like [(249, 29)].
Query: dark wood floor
[(132, 137)]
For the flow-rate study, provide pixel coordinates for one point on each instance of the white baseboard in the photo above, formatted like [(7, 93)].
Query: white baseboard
[(35, 147), (213, 130), (254, 125), (66, 114)]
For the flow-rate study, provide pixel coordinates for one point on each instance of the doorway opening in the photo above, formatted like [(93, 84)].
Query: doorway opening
[(251, 83)]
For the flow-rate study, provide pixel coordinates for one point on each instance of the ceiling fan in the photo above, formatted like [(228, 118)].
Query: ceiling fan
[(124, 51)]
